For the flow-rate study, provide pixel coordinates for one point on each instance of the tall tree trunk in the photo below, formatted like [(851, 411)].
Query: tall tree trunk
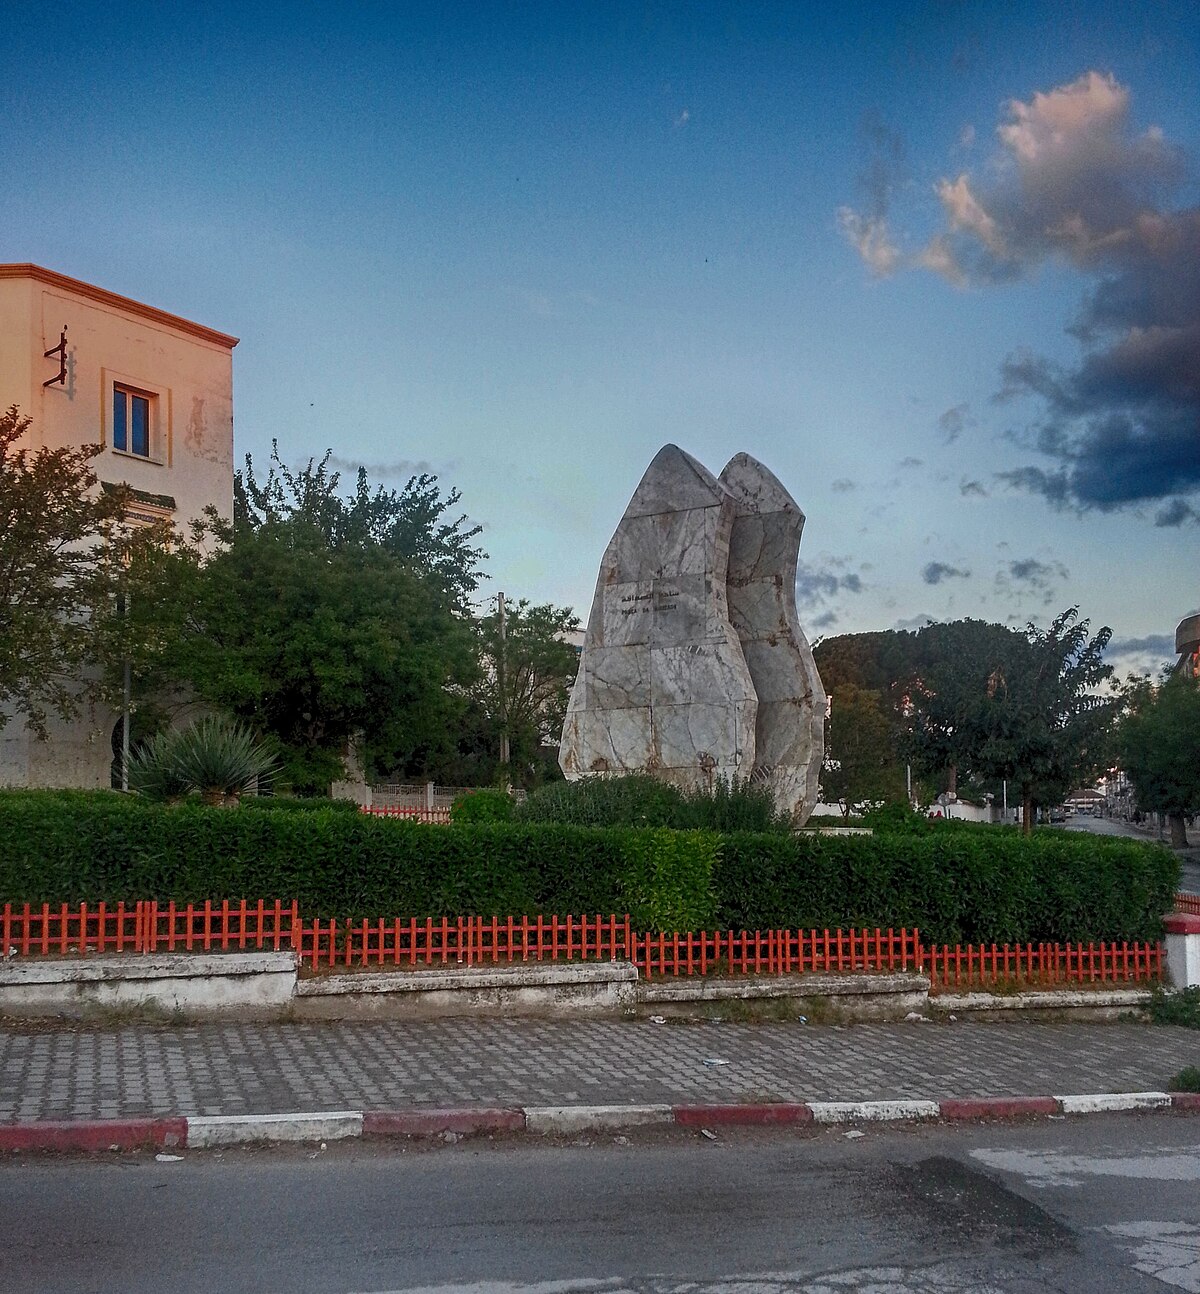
[(1026, 810), (952, 784), (1178, 830)]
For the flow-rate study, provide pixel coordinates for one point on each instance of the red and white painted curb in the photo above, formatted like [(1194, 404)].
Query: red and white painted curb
[(204, 1132)]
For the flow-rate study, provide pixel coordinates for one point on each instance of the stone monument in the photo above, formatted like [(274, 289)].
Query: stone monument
[(694, 664), (663, 685), (761, 585)]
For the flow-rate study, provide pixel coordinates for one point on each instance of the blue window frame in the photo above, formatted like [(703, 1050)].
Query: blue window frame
[(131, 421)]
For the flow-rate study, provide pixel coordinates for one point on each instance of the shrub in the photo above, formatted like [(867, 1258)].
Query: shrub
[(977, 885), (299, 804), (74, 847), (482, 806), (969, 886), (639, 800), (216, 757), (1181, 1008), (667, 877), (897, 818), (154, 771), (1187, 1080), (636, 800)]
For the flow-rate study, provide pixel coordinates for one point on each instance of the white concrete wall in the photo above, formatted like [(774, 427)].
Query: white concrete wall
[(193, 983)]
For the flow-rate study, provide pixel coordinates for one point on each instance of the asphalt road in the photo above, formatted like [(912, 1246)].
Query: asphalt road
[(1097, 1204)]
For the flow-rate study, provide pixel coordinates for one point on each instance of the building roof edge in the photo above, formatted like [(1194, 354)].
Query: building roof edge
[(27, 270)]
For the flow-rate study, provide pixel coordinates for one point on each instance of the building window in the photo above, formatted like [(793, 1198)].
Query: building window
[(132, 414)]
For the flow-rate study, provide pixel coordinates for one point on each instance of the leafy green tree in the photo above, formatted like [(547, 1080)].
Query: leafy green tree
[(317, 620), (64, 548), (1158, 745), (1019, 707), (861, 768), (525, 683), (320, 647), (416, 525)]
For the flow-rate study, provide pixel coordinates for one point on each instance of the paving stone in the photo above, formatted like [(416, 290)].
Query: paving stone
[(288, 1067)]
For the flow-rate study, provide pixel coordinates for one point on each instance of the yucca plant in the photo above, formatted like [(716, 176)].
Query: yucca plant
[(221, 759), (216, 757), (153, 769)]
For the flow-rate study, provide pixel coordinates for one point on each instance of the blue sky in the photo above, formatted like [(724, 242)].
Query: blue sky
[(934, 264)]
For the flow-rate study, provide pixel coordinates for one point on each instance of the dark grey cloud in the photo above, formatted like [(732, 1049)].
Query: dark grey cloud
[(1029, 575), (1175, 513), (886, 165), (936, 572), (1147, 655), (403, 467), (973, 489), (843, 485), (1156, 644), (1076, 182), (817, 586), (913, 623), (884, 170), (954, 422), (1122, 428), (910, 463)]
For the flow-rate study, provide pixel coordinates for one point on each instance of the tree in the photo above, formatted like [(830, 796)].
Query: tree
[(1019, 707), (1158, 744), (861, 768), (525, 681), (318, 621), (415, 525), (64, 545), (320, 647)]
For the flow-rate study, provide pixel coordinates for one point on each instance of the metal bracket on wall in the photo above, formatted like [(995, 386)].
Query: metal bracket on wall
[(59, 352)]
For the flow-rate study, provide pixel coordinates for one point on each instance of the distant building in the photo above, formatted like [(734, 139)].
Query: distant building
[(156, 391), (1187, 645)]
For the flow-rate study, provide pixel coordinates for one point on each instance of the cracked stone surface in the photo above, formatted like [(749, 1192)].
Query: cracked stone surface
[(663, 685), (694, 664), (764, 548)]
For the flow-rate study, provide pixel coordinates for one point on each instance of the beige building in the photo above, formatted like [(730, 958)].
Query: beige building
[(156, 392)]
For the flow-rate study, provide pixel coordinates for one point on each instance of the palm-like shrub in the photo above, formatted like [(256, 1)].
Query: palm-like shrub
[(218, 758), (154, 771)]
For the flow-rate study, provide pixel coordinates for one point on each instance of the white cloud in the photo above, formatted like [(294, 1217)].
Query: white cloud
[(869, 236)]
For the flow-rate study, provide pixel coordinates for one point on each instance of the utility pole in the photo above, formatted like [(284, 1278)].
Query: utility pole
[(125, 730), (500, 676)]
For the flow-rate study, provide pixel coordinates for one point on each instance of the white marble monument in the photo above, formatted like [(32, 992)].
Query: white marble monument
[(663, 685), (694, 664), (761, 584)]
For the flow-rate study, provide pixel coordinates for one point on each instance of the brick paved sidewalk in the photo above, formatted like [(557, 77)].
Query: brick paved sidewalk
[(126, 1071)]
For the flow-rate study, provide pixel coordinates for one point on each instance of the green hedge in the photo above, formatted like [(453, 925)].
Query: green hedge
[(956, 886), (74, 847), (970, 886)]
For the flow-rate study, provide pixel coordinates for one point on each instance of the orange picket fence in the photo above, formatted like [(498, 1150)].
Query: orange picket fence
[(147, 927), (1189, 903), (462, 941), (978, 965), (411, 943), (441, 816)]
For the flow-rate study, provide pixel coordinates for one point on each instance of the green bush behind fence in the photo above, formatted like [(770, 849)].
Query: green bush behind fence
[(980, 885)]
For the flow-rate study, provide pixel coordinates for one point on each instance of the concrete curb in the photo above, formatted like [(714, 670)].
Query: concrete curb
[(103, 1134), (196, 1132)]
